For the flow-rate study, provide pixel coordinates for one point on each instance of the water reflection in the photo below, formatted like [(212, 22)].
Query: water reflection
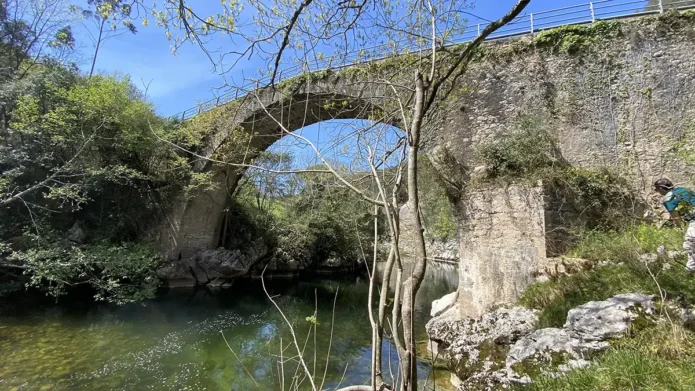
[(174, 342)]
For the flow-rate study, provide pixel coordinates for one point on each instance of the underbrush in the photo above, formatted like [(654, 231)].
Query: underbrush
[(658, 358), (622, 272), (626, 245), (119, 273)]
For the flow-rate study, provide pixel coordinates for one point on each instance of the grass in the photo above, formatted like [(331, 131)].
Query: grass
[(659, 358), (626, 245), (625, 273)]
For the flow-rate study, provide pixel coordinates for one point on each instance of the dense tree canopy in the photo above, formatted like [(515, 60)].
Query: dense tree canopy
[(80, 152)]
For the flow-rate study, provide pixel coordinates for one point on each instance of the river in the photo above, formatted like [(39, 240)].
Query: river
[(175, 341)]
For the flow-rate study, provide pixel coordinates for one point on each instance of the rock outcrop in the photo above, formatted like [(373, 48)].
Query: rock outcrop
[(445, 303), (219, 267), (472, 347), (214, 267), (76, 234), (504, 347)]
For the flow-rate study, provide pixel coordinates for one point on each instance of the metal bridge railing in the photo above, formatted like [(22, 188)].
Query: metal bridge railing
[(522, 25)]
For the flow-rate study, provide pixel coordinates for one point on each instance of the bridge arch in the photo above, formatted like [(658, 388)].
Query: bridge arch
[(259, 120)]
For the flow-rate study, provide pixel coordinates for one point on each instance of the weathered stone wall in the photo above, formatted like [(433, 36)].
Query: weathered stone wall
[(502, 243), (620, 101)]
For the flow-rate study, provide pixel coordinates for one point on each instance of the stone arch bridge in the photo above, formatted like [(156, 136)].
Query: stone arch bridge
[(253, 123), (621, 99)]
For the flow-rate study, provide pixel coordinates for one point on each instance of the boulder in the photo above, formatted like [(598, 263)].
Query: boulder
[(177, 274), (586, 332), (223, 263), (214, 267), (602, 320), (550, 346), (441, 305), (76, 234), (503, 347), (503, 326), (472, 347)]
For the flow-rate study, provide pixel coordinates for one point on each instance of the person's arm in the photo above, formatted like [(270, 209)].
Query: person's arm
[(675, 218), (671, 204)]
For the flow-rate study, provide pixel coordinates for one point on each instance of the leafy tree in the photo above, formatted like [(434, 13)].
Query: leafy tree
[(84, 148), (32, 32)]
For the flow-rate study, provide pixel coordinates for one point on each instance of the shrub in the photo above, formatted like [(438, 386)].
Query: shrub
[(522, 153), (119, 273), (627, 244), (595, 198), (555, 298), (437, 211), (572, 39)]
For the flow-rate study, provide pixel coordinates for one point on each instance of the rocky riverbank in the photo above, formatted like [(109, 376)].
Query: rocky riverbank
[(220, 267), (506, 347)]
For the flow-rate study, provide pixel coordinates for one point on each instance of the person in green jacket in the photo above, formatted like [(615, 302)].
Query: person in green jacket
[(680, 204)]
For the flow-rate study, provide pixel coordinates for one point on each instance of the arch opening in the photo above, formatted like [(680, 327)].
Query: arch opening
[(295, 200)]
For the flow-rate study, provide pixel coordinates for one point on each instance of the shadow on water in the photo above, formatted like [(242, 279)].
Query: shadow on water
[(174, 342)]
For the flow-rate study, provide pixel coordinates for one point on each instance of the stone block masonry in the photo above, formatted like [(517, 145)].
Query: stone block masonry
[(502, 243), (624, 101), (624, 98)]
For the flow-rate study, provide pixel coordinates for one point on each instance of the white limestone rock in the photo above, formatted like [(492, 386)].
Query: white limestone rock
[(602, 320), (439, 306)]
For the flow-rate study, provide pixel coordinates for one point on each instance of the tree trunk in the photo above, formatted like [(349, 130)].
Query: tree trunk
[(96, 50), (412, 284)]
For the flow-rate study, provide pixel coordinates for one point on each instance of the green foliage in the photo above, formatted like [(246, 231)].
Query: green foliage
[(83, 149), (90, 144), (659, 358), (312, 320), (437, 212), (326, 220), (589, 198), (621, 246), (119, 273), (573, 39), (676, 20), (521, 153), (624, 272), (310, 217)]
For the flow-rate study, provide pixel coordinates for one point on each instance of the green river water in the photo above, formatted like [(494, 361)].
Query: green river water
[(175, 342)]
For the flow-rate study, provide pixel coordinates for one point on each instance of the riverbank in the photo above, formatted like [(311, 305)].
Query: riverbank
[(623, 321)]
